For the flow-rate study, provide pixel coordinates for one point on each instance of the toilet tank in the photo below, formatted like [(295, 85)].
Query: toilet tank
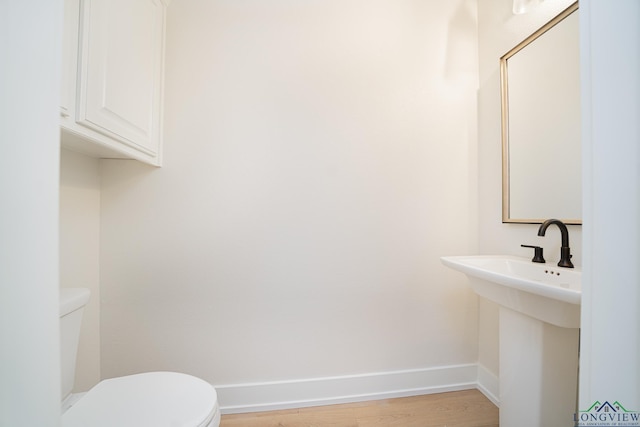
[(72, 302)]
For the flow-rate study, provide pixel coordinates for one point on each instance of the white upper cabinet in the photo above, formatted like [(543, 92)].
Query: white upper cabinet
[(113, 78)]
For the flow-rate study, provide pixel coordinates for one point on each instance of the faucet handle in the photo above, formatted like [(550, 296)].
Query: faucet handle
[(565, 257), (537, 257)]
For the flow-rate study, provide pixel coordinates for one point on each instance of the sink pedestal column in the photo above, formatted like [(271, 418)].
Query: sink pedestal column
[(538, 372)]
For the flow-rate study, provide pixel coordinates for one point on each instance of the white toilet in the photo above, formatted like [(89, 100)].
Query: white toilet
[(153, 399)]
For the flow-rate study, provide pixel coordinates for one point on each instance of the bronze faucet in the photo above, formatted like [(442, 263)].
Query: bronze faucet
[(565, 251)]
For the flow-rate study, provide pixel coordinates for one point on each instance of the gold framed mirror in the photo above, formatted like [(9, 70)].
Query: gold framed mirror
[(541, 155)]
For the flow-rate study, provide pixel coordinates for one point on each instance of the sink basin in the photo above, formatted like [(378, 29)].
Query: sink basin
[(543, 291), (538, 334)]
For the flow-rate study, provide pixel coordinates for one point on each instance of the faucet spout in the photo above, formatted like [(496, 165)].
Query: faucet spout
[(565, 251)]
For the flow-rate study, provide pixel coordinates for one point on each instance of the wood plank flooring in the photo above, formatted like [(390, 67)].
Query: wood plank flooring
[(467, 408)]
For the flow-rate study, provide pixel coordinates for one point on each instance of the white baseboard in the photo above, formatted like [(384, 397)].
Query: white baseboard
[(266, 396), (489, 384)]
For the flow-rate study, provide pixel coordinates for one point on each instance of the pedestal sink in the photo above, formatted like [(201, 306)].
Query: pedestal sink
[(539, 335)]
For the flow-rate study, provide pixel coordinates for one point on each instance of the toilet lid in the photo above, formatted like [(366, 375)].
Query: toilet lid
[(152, 399)]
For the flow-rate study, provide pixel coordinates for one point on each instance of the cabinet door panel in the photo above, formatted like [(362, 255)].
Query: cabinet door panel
[(121, 69)]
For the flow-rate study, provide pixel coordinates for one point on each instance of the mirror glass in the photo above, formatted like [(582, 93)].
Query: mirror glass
[(541, 164)]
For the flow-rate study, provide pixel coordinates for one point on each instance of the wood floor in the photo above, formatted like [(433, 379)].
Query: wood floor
[(468, 408)]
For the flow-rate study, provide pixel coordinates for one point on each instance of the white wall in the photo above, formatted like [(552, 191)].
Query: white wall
[(611, 293), (319, 159), (499, 31), (29, 138), (79, 253)]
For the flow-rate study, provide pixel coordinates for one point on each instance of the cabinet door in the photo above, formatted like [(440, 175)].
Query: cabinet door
[(69, 57), (120, 72)]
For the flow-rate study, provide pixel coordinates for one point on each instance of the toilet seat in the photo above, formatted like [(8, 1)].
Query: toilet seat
[(150, 399)]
